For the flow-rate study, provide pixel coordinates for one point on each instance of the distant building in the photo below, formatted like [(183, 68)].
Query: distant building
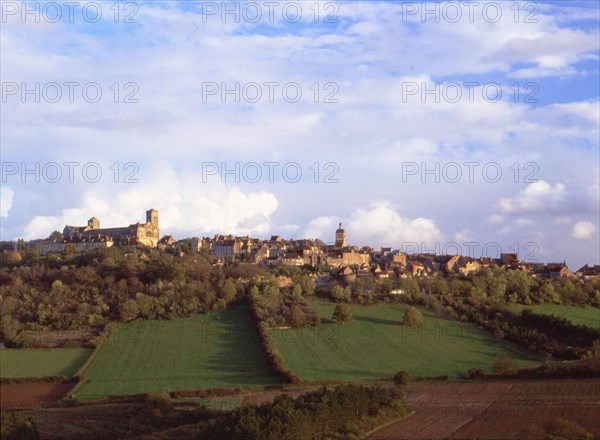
[(340, 237), (146, 234)]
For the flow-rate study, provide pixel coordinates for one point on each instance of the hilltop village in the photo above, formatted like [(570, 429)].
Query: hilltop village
[(345, 262)]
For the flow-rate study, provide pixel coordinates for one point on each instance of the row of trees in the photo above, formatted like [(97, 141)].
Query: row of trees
[(341, 413)]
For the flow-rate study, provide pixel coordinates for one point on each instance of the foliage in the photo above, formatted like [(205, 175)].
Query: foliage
[(322, 414), (402, 378), (342, 313), (413, 318), (12, 428)]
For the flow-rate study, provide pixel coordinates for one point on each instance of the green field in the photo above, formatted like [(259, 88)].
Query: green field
[(42, 362), (375, 346), (588, 316), (220, 349)]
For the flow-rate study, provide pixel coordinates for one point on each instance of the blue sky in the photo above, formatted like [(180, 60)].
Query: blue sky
[(375, 59)]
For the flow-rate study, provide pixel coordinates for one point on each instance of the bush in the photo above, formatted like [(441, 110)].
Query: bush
[(342, 313), (402, 378), (413, 317), (476, 374), (160, 399)]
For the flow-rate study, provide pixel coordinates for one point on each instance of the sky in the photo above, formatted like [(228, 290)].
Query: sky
[(451, 127)]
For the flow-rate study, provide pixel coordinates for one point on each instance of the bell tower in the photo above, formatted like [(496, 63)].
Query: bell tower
[(152, 217), (94, 223), (340, 237)]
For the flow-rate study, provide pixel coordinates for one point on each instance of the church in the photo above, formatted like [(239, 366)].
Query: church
[(146, 234)]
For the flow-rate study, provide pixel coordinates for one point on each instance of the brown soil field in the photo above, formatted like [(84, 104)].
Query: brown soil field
[(27, 394), (495, 410)]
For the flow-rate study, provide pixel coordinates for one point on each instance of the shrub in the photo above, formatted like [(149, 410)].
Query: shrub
[(413, 317), (342, 313), (402, 378)]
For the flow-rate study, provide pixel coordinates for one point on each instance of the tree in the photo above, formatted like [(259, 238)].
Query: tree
[(402, 378), (56, 236), (342, 313), (297, 316), (340, 294), (413, 317)]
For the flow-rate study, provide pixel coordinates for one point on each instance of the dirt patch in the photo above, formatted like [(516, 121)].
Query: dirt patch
[(27, 394)]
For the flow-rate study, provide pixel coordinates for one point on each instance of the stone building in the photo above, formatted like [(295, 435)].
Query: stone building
[(340, 237), (146, 234)]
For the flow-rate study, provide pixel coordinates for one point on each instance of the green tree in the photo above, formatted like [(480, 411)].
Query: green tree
[(413, 317), (56, 236), (342, 313), (341, 294)]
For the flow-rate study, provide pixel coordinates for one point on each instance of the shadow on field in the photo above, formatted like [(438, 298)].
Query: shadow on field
[(377, 320), (239, 360)]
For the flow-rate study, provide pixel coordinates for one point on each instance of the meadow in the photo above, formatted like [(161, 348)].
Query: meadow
[(36, 363), (220, 349), (375, 345), (588, 316)]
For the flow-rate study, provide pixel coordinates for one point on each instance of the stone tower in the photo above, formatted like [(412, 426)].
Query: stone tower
[(340, 237), (152, 217), (94, 223)]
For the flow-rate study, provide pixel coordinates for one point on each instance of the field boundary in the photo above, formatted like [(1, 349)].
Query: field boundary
[(385, 425), (79, 375)]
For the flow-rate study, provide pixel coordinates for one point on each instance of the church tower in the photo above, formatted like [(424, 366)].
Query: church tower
[(94, 223), (340, 237), (152, 217)]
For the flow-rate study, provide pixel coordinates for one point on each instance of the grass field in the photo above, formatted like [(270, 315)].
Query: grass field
[(42, 362), (208, 350), (375, 346), (588, 316)]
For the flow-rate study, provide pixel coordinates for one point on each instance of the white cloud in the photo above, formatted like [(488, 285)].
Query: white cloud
[(495, 219), (537, 197), (464, 236), (6, 200), (378, 225), (583, 230), (186, 206)]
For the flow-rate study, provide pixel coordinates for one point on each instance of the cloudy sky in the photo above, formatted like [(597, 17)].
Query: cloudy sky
[(451, 127)]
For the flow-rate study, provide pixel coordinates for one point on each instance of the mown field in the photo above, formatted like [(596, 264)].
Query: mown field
[(219, 349), (375, 346), (588, 316), (35, 363)]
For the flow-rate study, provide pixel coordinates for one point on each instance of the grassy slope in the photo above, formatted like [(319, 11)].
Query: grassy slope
[(374, 346), (588, 316), (42, 362), (203, 351)]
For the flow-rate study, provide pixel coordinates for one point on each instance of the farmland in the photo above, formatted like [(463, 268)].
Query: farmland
[(374, 345), (506, 410), (588, 316), (220, 349), (36, 363), (25, 394)]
